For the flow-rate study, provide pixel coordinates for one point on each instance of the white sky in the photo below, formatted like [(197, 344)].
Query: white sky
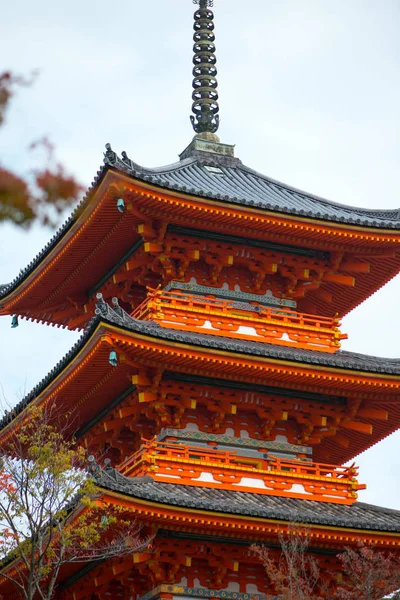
[(309, 93)]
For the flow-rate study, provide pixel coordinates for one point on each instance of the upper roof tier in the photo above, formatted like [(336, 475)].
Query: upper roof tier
[(210, 201), (229, 180)]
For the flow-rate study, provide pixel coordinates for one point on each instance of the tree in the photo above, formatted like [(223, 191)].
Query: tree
[(296, 574), (369, 574), (50, 515), (41, 195)]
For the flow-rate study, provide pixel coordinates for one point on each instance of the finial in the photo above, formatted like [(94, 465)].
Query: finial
[(205, 96)]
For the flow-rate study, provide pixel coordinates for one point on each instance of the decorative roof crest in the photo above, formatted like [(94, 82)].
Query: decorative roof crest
[(205, 120)]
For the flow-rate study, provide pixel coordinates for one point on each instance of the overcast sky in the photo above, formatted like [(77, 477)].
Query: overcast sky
[(309, 93)]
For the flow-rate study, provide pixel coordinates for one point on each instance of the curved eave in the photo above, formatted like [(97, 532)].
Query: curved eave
[(244, 513), (229, 180), (92, 242), (7, 289), (97, 236), (85, 372)]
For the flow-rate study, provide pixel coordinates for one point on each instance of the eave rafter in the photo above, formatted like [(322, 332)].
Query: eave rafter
[(183, 357), (372, 412), (214, 564), (261, 223), (212, 547), (322, 380), (237, 526)]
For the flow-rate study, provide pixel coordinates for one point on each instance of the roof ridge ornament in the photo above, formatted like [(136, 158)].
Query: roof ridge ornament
[(205, 120)]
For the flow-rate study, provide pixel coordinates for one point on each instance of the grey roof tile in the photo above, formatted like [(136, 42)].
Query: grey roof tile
[(359, 515), (104, 313), (242, 185), (341, 359)]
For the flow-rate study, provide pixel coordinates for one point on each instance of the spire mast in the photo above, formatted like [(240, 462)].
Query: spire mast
[(205, 120)]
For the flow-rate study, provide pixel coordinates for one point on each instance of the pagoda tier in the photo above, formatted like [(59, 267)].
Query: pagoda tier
[(336, 404), (214, 437), (201, 545), (210, 220), (202, 540)]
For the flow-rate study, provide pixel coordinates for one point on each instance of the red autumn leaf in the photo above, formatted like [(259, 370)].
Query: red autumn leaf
[(15, 199), (57, 187), (43, 196)]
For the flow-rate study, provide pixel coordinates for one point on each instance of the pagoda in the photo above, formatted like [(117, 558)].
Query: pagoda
[(209, 371)]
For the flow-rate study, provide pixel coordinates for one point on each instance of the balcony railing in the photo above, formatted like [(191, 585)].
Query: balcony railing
[(190, 465), (281, 326)]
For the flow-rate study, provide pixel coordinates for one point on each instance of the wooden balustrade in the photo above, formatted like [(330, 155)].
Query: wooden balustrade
[(192, 465), (215, 316)]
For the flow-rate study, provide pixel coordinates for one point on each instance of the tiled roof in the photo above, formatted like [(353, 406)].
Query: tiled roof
[(117, 316), (233, 183), (6, 288), (342, 360), (359, 515)]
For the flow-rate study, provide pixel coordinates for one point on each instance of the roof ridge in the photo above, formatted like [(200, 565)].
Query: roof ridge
[(341, 357)]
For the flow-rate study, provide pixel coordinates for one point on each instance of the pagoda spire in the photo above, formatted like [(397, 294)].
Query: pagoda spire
[(205, 120)]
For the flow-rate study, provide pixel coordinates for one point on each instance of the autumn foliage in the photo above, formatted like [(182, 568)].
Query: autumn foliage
[(50, 512), (42, 194)]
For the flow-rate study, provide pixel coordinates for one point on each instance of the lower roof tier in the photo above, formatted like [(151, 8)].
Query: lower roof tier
[(359, 515)]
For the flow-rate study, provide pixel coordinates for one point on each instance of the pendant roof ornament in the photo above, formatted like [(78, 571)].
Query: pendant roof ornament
[(205, 120)]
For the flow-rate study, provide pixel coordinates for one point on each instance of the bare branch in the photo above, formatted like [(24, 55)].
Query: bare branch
[(294, 572)]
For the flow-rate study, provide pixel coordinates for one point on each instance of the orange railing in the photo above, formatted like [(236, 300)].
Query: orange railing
[(186, 463), (177, 299), (180, 309)]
